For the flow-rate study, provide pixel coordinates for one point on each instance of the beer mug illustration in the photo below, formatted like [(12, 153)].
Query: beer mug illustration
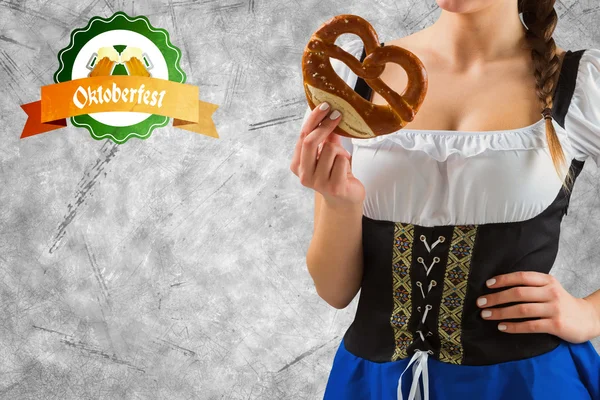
[(136, 63), (119, 60), (103, 62)]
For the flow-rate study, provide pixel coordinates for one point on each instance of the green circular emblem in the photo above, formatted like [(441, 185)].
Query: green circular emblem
[(119, 45)]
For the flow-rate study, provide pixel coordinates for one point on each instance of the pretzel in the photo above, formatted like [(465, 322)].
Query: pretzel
[(360, 117)]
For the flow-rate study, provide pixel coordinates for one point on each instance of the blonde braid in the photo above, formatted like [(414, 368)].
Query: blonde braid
[(540, 19)]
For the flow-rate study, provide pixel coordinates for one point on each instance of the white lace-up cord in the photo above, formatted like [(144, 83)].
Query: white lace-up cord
[(424, 240), (420, 285), (427, 308), (419, 359), (428, 269), (431, 284)]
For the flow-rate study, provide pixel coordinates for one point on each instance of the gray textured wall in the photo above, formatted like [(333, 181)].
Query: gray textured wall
[(175, 267)]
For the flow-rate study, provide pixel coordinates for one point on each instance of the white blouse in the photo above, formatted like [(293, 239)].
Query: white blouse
[(430, 177)]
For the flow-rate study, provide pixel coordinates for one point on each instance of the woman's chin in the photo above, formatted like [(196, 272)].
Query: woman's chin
[(463, 6)]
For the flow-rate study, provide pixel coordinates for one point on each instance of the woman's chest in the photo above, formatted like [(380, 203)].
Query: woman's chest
[(428, 180), (493, 96)]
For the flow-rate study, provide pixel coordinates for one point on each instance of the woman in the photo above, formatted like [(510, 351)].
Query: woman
[(451, 225)]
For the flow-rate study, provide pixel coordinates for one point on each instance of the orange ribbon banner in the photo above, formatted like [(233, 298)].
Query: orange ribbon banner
[(119, 93)]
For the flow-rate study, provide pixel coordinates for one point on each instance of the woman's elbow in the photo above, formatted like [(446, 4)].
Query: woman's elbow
[(338, 302)]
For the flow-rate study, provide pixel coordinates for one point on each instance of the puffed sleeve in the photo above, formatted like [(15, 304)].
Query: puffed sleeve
[(354, 47), (582, 121)]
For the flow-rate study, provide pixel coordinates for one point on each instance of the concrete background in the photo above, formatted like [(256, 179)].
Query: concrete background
[(175, 267)]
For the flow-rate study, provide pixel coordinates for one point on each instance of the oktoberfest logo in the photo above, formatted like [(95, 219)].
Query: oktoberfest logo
[(119, 78)]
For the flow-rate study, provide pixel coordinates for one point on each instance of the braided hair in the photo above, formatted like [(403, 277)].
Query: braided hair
[(540, 19)]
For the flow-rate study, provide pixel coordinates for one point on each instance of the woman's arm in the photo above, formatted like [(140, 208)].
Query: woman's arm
[(335, 254), (334, 257), (594, 300)]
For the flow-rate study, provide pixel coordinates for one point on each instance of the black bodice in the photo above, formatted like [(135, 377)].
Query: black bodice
[(420, 284)]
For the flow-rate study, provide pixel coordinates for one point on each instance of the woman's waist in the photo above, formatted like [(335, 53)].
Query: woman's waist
[(378, 338), (436, 312), (420, 288)]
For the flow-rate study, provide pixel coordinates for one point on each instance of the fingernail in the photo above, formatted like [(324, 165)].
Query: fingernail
[(486, 313), (324, 106), (335, 114), (501, 327), (481, 301), (490, 282)]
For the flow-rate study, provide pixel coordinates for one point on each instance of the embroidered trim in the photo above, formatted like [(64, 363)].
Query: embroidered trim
[(453, 297), (401, 262)]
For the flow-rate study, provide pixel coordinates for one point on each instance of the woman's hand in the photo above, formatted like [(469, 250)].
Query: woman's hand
[(322, 163), (542, 296)]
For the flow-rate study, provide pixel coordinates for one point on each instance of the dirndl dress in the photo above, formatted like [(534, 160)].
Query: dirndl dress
[(445, 211)]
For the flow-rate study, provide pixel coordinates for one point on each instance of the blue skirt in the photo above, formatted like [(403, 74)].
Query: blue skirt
[(569, 372)]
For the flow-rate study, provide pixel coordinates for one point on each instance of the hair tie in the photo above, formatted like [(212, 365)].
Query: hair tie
[(547, 113)]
